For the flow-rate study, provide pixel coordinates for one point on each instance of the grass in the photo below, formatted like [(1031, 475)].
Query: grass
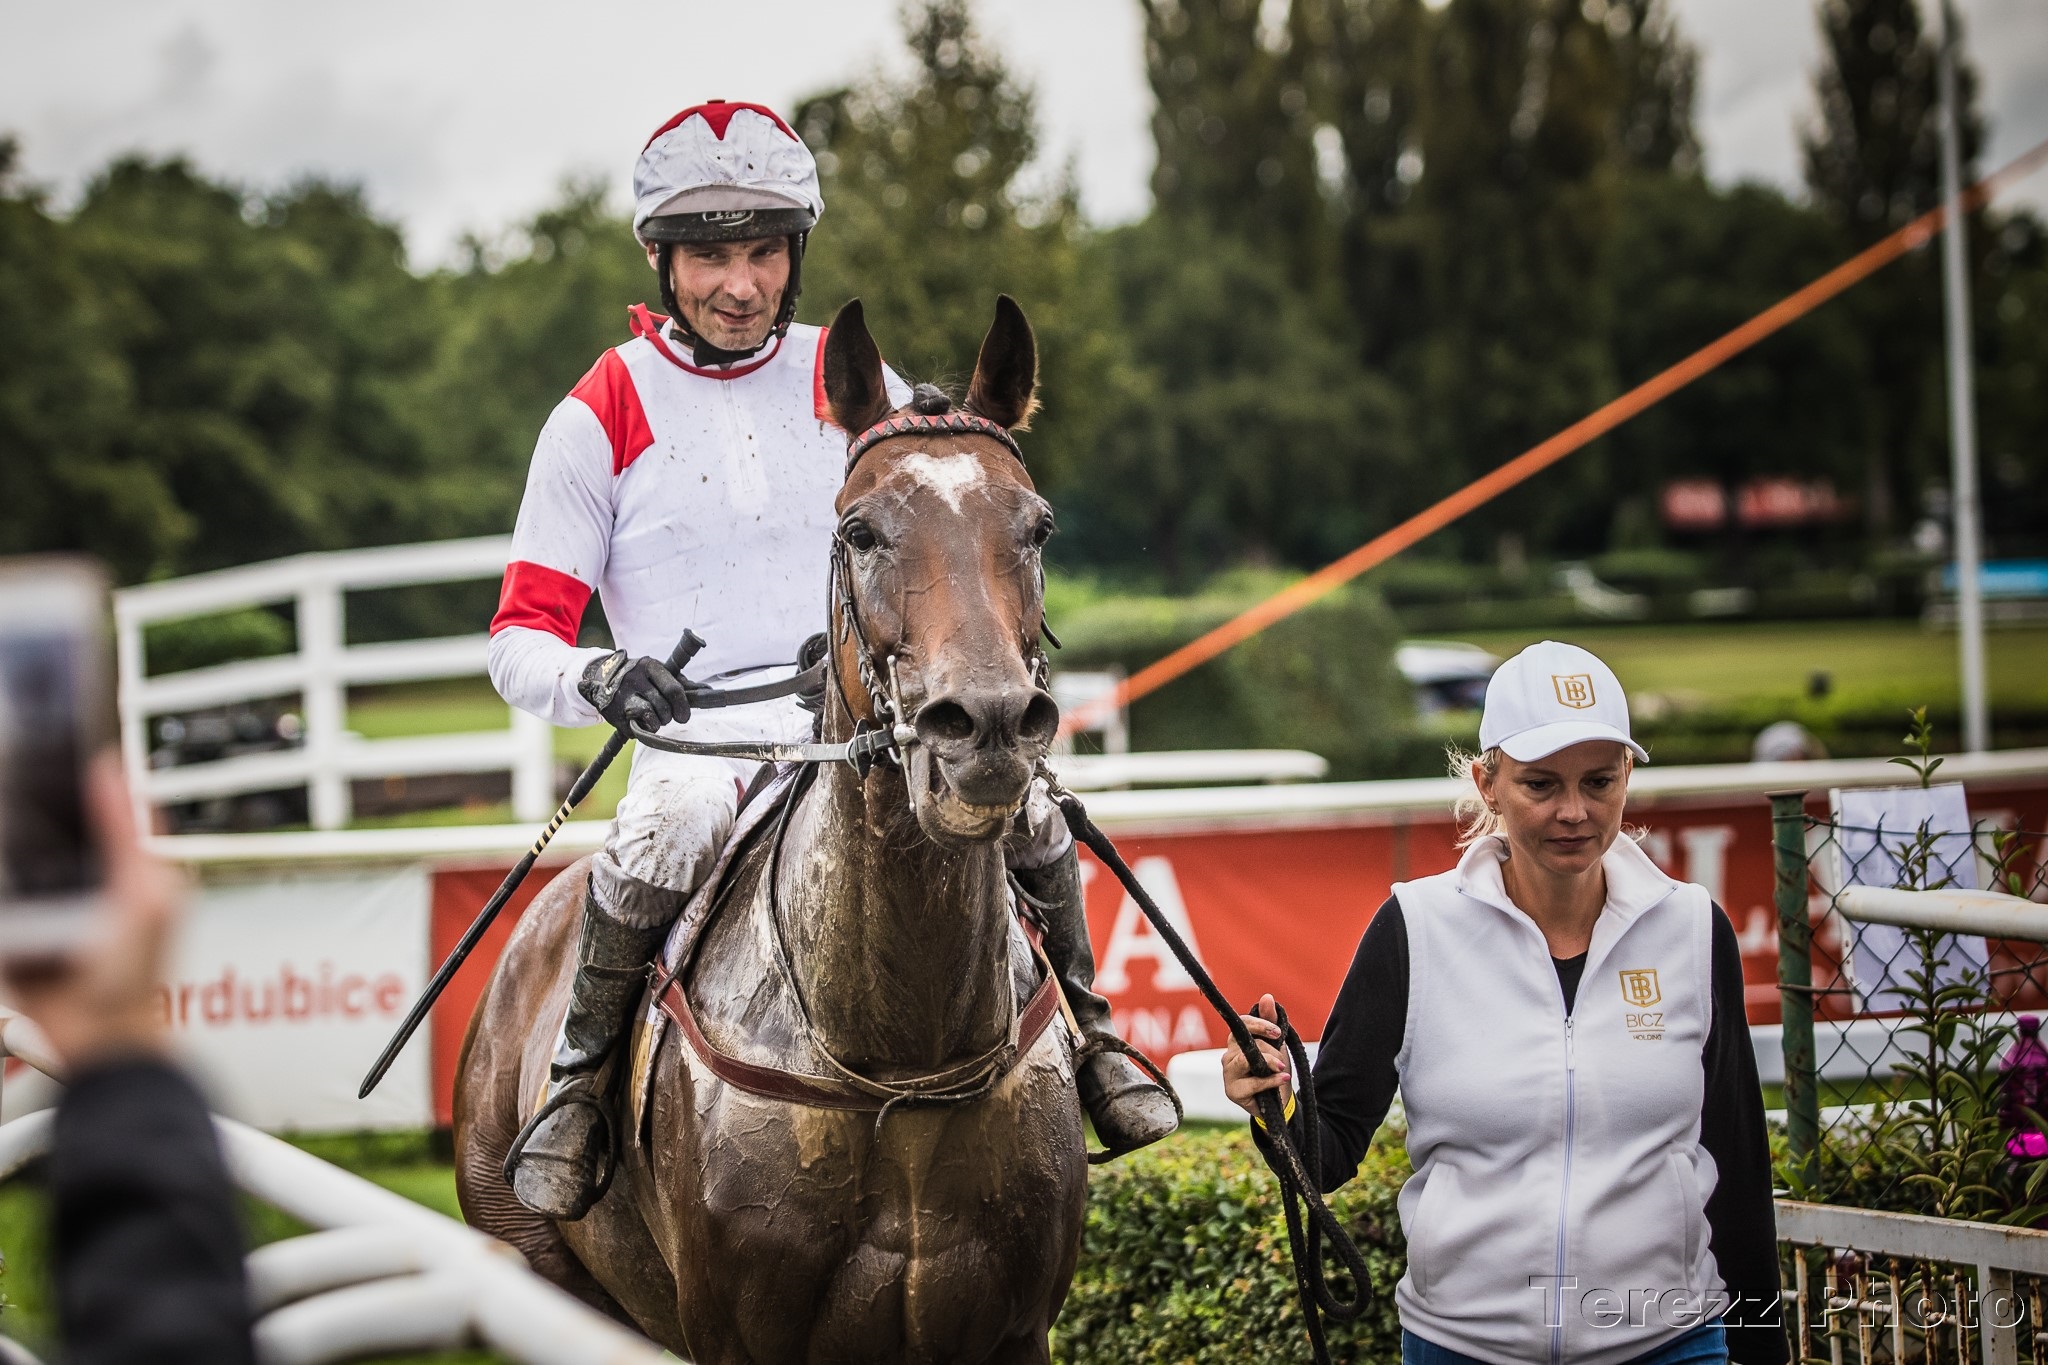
[(402, 1163), (1875, 662)]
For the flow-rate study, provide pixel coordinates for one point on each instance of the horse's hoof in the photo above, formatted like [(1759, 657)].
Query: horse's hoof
[(556, 1174), (1128, 1108)]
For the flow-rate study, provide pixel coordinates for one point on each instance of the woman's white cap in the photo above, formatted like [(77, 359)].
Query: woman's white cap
[(1550, 697)]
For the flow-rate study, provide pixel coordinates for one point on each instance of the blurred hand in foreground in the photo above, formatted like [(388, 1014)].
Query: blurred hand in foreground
[(101, 1002), (1239, 1084)]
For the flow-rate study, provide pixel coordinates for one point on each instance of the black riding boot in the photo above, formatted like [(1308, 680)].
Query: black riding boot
[(1128, 1107), (556, 1171)]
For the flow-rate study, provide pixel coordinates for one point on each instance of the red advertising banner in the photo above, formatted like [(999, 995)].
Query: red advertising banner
[(1280, 908)]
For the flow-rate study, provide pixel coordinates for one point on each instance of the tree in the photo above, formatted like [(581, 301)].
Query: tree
[(1242, 431), (65, 391), (1689, 262), (931, 210), (515, 328), (1873, 163), (1233, 125)]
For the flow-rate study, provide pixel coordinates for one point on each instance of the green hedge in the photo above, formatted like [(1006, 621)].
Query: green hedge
[(1184, 1259)]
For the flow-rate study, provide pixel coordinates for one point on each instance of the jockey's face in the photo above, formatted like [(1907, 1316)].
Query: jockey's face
[(729, 292)]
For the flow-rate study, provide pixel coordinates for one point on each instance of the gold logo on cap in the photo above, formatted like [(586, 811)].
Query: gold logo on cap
[(1639, 987), (1573, 689)]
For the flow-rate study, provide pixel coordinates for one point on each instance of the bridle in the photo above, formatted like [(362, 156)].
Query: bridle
[(884, 693), (885, 731)]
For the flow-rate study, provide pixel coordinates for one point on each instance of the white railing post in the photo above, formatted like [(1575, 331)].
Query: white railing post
[(533, 767), (326, 700), (130, 667)]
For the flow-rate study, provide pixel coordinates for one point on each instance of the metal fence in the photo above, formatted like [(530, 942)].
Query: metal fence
[(1909, 960)]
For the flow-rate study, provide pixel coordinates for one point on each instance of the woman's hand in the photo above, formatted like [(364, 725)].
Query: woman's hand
[(1239, 1084)]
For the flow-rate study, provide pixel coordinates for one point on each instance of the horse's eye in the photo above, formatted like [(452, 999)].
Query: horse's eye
[(859, 535), (1041, 533)]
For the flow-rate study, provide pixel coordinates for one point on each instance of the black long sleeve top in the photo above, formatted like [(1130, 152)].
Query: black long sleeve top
[(147, 1245), (1355, 1082)]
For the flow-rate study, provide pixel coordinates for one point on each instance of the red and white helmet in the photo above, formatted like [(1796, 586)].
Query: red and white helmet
[(724, 171)]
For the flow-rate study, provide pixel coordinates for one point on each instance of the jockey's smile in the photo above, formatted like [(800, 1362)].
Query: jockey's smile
[(729, 293)]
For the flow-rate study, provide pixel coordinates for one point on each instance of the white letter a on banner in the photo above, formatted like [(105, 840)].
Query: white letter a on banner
[(1133, 936)]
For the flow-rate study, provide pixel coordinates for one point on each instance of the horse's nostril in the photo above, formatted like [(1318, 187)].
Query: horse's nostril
[(945, 722), (1041, 720)]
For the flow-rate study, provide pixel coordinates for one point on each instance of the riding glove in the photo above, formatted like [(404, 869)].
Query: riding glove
[(627, 691)]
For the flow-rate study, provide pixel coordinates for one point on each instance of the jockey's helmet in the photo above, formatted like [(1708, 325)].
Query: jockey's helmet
[(726, 171)]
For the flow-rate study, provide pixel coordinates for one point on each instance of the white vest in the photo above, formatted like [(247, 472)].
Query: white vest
[(1558, 1208)]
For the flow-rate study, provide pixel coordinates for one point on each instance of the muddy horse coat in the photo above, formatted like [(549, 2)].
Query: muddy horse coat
[(862, 938)]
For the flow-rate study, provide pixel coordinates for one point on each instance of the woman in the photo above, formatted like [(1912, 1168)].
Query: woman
[(1565, 1024)]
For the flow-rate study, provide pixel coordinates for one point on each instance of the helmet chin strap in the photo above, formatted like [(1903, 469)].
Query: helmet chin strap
[(703, 352)]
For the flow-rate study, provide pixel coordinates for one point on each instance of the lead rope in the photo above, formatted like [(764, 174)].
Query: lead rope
[(1309, 1220)]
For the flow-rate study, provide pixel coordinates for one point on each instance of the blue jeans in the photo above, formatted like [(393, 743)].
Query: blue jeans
[(1706, 1344)]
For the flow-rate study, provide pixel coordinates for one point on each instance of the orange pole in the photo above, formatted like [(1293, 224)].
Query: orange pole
[(1587, 429)]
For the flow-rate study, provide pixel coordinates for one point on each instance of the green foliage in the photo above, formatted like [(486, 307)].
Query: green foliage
[(200, 641), (932, 208), (1322, 680), (1184, 1259), (1920, 739)]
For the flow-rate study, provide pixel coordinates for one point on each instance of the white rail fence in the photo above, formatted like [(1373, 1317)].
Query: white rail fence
[(320, 672), (378, 1275)]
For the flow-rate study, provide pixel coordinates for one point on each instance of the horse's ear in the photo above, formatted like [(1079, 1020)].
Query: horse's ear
[(854, 388), (1006, 375)]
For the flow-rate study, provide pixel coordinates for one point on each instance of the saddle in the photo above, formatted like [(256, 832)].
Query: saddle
[(668, 1003)]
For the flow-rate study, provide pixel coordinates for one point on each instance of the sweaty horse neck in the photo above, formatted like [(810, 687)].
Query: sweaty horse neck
[(900, 943)]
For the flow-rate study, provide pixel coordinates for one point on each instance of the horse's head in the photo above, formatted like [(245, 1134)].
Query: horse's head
[(938, 554)]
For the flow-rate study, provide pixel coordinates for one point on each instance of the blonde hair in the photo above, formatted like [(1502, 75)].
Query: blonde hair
[(1475, 818)]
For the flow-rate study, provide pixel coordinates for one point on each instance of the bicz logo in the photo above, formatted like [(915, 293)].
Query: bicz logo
[(1573, 689), (1640, 990)]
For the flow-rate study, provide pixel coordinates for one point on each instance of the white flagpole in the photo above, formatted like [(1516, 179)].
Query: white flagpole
[(1962, 403)]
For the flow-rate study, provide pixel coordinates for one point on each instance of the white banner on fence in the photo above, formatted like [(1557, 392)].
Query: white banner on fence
[(1874, 827), (282, 992)]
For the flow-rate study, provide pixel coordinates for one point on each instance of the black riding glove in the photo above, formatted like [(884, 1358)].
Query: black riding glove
[(639, 691)]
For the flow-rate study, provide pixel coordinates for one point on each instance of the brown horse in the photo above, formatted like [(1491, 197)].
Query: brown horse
[(865, 938)]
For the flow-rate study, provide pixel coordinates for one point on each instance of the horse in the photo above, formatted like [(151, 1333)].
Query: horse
[(863, 944)]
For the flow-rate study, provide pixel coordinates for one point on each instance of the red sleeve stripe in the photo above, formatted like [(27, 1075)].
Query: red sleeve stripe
[(820, 404), (541, 598), (609, 393)]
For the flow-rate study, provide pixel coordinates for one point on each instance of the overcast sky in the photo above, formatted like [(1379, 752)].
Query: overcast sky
[(461, 115)]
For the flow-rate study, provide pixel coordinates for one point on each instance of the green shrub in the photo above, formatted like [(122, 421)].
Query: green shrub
[(1323, 679), (1184, 1259), (201, 641)]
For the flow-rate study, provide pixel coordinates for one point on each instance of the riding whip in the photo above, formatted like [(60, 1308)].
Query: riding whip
[(686, 649)]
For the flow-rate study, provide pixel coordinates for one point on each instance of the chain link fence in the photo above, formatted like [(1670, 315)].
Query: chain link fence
[(1897, 1038)]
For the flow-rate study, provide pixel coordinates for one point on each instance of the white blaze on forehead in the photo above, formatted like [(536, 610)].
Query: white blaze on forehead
[(947, 475)]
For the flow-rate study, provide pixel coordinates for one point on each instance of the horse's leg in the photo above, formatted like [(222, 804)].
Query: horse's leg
[(489, 1083)]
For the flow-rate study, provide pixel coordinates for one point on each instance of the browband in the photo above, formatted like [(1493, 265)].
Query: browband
[(917, 423)]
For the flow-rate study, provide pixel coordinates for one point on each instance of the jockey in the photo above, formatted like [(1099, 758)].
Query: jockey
[(690, 479)]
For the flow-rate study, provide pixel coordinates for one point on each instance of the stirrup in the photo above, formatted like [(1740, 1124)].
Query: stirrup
[(1109, 1042), (593, 1095)]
